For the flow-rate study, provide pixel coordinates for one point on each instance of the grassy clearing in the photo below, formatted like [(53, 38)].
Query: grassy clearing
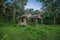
[(42, 32)]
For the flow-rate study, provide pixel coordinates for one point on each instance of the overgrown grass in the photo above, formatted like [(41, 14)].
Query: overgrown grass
[(41, 32)]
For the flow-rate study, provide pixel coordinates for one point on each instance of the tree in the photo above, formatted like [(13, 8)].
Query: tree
[(50, 6), (10, 8), (20, 6)]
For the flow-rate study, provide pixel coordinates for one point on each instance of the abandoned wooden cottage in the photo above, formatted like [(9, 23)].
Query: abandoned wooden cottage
[(23, 20)]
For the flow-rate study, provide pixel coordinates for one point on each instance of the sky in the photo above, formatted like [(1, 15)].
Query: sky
[(33, 4)]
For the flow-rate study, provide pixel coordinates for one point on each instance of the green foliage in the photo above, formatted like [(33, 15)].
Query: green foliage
[(6, 37), (9, 9), (42, 32), (51, 8)]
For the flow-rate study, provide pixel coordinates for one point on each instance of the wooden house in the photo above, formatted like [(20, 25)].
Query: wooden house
[(23, 20)]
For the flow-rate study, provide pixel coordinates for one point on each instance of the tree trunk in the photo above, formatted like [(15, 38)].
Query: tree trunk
[(4, 7), (54, 20), (36, 22), (14, 13), (41, 20)]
